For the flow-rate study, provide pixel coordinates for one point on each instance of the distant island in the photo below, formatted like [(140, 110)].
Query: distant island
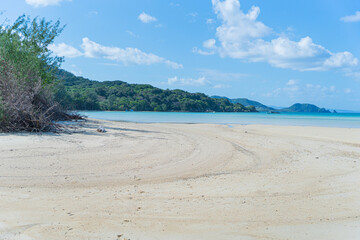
[(304, 107), (297, 107)]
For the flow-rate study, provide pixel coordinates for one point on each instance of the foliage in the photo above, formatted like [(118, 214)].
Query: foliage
[(26, 76), (83, 94)]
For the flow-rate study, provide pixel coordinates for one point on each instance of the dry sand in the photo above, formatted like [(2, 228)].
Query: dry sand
[(181, 181)]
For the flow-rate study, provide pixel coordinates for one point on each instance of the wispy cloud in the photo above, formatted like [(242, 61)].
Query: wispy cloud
[(201, 81), (216, 75), (203, 52), (242, 36), (126, 56), (95, 13), (193, 14), (192, 17), (146, 18), (210, 78), (132, 34), (44, 3), (352, 18), (219, 86), (210, 21), (296, 90), (173, 4)]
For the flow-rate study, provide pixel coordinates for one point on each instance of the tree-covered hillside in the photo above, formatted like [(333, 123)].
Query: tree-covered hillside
[(79, 93)]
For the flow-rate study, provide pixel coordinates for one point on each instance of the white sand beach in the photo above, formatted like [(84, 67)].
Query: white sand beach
[(181, 181)]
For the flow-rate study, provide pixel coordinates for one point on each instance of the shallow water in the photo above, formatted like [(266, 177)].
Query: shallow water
[(344, 120)]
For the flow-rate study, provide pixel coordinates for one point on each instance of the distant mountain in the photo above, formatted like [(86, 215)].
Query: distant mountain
[(304, 107), (298, 107), (246, 102)]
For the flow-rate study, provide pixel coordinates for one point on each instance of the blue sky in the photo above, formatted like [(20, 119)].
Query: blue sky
[(277, 52)]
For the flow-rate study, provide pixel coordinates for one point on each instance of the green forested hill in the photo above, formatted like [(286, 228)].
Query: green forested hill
[(79, 93)]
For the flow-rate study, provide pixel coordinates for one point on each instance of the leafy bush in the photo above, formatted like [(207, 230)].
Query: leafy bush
[(26, 76)]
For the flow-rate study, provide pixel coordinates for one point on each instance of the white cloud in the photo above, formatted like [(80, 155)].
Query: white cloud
[(127, 56), (188, 81), (291, 82), (341, 59), (242, 36), (173, 65), (44, 3), (236, 24), (146, 18), (347, 90), (124, 55), (65, 50), (209, 43), (352, 18)]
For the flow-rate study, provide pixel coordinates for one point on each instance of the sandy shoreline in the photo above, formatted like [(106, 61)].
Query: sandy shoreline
[(181, 181)]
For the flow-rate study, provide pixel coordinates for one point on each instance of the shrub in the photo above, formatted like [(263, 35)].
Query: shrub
[(26, 76)]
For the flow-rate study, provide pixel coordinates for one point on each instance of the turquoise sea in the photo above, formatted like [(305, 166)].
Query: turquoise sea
[(343, 120)]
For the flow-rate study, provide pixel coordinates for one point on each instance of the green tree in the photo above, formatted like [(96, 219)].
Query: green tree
[(26, 75)]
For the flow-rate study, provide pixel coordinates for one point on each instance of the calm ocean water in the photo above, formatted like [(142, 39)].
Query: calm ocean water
[(343, 120)]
